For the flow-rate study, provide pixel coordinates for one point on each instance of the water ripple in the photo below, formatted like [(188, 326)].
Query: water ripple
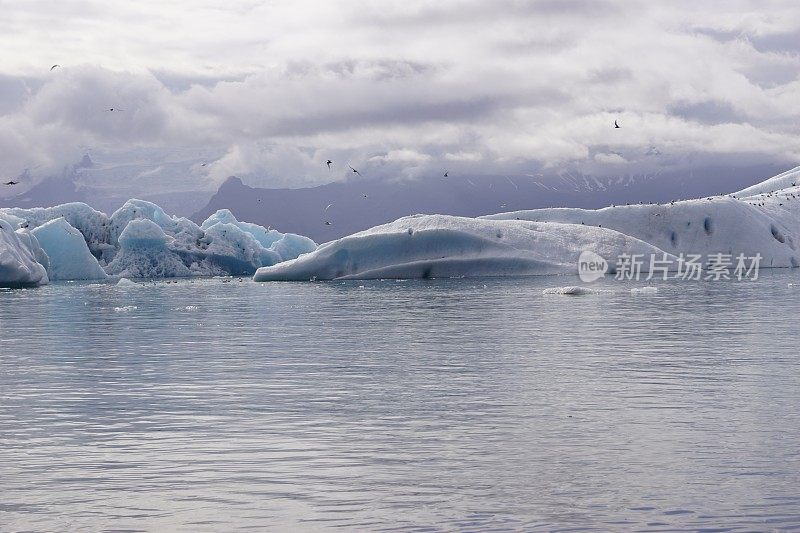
[(429, 405)]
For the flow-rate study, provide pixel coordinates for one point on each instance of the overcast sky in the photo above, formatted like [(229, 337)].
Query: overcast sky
[(268, 90)]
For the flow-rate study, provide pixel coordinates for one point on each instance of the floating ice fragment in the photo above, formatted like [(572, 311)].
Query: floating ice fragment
[(644, 290), (569, 291)]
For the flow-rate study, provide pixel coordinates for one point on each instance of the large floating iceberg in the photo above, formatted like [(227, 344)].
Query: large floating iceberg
[(764, 219), (433, 246), (139, 240)]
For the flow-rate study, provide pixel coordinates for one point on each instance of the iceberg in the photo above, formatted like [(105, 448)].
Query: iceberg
[(574, 290), (19, 266), (140, 240), (69, 256), (431, 246), (763, 219), (144, 253)]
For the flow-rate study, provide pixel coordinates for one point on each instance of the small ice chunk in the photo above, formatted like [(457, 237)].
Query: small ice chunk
[(574, 290), (125, 309), (644, 290), (125, 282)]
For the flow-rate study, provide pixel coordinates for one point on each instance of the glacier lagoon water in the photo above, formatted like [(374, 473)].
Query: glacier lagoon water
[(468, 404)]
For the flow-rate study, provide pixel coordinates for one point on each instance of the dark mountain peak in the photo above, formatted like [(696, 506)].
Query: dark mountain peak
[(231, 182)]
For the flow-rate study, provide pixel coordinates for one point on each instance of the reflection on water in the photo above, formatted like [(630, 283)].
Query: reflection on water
[(437, 405)]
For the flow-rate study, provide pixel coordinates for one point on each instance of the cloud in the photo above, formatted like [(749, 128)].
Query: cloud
[(609, 159), (403, 89)]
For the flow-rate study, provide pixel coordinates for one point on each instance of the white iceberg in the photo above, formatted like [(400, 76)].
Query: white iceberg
[(18, 262), (433, 246), (764, 219)]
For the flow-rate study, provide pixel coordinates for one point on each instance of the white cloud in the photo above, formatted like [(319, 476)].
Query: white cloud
[(609, 159), (401, 89)]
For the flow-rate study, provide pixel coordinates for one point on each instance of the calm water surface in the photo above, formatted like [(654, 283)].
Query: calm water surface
[(433, 405)]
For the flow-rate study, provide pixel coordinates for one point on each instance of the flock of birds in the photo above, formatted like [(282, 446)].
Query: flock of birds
[(329, 162)]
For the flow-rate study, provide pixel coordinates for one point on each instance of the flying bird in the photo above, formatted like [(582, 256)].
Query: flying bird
[(54, 66), (365, 196), (328, 162), (328, 206), (114, 109), (445, 173), (202, 164), (354, 170), (12, 182), (616, 125), (327, 223)]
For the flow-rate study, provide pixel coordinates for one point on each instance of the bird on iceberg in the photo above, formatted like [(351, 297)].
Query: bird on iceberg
[(328, 162), (616, 126)]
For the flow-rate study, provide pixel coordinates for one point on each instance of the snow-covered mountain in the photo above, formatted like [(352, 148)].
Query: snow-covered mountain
[(107, 185)]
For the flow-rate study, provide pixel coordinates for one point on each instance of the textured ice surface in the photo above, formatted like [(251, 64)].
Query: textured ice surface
[(69, 256), (18, 264), (764, 219), (139, 240), (431, 246), (574, 290)]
